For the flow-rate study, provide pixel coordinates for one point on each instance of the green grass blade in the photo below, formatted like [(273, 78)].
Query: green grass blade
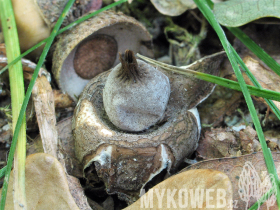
[(256, 49), (251, 45), (210, 4), (26, 99), (208, 14), (273, 107), (3, 171), (264, 57), (62, 30), (264, 93), (262, 199)]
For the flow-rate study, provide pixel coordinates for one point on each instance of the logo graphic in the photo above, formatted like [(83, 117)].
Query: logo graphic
[(183, 198), (251, 186)]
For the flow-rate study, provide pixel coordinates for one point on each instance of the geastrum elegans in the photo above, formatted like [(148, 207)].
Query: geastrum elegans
[(135, 121)]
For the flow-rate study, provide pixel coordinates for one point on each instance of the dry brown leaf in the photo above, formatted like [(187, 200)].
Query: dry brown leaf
[(265, 37), (43, 98), (248, 141), (220, 142), (66, 156), (182, 184), (34, 146), (65, 152), (174, 7), (267, 78), (62, 100), (45, 183), (215, 112), (233, 167), (5, 134), (272, 138), (77, 192)]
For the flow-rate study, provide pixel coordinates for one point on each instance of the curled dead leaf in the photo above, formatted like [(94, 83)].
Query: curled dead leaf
[(272, 138), (65, 152), (178, 191), (174, 7), (266, 77), (233, 167), (45, 183), (62, 100)]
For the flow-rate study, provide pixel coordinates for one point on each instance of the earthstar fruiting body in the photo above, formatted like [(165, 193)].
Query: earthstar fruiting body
[(91, 47), (127, 161), (135, 94)]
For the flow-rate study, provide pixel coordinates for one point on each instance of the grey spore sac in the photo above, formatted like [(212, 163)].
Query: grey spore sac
[(136, 94)]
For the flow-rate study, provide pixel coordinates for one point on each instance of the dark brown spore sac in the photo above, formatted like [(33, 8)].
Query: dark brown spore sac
[(95, 56)]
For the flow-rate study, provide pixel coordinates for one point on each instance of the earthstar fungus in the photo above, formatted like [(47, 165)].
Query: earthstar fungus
[(125, 161), (91, 47)]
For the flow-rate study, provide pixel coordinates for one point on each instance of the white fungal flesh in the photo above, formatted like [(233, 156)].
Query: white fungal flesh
[(103, 158), (165, 163), (106, 132), (196, 114)]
